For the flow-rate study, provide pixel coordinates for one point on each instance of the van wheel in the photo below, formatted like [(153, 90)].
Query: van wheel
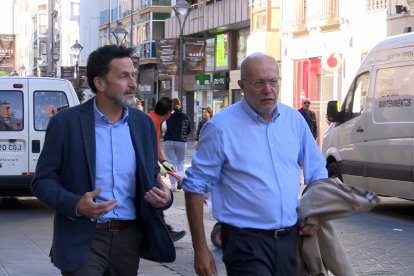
[(334, 170)]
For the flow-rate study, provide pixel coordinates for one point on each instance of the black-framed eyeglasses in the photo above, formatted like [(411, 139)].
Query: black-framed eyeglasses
[(275, 82), (306, 102)]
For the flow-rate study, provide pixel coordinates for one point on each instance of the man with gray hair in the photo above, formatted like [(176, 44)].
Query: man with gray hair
[(249, 157)]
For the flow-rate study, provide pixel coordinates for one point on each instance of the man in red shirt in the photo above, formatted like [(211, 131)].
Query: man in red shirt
[(161, 113)]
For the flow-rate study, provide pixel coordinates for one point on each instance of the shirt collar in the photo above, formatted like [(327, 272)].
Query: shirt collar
[(250, 111), (100, 116)]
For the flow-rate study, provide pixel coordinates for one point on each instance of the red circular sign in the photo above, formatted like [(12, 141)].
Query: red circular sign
[(331, 62)]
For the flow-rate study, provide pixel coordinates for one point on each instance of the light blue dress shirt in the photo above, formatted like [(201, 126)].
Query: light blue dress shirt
[(253, 168), (115, 166)]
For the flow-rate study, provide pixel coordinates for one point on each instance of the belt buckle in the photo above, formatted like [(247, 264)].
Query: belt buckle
[(279, 233), (110, 226)]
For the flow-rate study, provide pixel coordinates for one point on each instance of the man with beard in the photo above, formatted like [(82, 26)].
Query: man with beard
[(99, 171)]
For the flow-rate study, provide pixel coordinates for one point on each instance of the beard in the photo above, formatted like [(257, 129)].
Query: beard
[(125, 102)]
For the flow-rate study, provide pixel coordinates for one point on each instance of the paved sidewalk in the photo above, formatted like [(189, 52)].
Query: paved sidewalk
[(26, 233)]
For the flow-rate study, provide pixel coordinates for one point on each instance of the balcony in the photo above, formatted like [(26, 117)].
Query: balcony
[(225, 15), (299, 18)]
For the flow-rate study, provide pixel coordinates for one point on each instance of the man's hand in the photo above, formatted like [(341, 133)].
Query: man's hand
[(158, 197), (204, 263), (89, 208), (309, 229), (167, 166), (163, 171)]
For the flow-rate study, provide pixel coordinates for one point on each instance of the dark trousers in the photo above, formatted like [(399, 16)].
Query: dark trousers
[(247, 253), (169, 227), (112, 253)]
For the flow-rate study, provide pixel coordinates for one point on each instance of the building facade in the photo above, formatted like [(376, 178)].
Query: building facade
[(45, 31), (224, 26), (319, 44), (324, 41), (142, 22)]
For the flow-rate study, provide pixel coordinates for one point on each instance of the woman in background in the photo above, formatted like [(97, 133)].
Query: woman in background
[(175, 140), (206, 115)]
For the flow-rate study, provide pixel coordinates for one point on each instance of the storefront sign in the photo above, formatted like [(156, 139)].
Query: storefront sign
[(331, 62), (67, 72), (221, 51), (7, 52), (167, 56), (194, 60)]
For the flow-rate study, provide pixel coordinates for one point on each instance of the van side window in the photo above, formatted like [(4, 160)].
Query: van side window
[(11, 110), (354, 103), (394, 95), (46, 105)]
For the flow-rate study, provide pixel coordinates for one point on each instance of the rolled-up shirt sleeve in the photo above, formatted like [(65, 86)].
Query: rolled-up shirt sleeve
[(207, 161)]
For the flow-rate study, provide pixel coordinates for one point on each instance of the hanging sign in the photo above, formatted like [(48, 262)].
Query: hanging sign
[(331, 62), (167, 56)]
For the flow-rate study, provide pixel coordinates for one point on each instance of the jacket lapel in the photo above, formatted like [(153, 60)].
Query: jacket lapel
[(87, 125)]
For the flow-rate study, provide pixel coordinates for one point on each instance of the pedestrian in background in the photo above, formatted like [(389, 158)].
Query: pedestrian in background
[(207, 113), (162, 111), (250, 159), (309, 116), (175, 140), (99, 171), (138, 104)]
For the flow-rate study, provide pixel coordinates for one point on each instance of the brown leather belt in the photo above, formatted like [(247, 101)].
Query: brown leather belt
[(115, 225), (276, 233)]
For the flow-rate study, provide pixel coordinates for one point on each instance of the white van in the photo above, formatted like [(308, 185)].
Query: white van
[(370, 142), (26, 106)]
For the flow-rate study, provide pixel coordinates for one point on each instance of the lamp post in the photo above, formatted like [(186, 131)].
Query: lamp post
[(119, 33), (182, 8), (39, 61), (77, 49)]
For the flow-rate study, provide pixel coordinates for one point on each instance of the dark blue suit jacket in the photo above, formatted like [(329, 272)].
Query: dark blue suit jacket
[(66, 170)]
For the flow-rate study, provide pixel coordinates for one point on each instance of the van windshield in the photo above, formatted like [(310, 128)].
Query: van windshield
[(11, 110), (46, 105)]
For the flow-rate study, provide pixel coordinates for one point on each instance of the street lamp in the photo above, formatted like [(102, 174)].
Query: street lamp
[(182, 8), (119, 33), (39, 61), (77, 49)]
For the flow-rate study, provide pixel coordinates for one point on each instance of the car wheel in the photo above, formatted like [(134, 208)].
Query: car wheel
[(334, 170)]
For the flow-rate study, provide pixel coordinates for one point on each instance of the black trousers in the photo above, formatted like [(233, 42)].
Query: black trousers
[(169, 227), (112, 254), (248, 253)]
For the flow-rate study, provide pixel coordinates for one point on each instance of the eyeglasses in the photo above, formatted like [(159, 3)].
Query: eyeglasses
[(261, 83), (306, 102)]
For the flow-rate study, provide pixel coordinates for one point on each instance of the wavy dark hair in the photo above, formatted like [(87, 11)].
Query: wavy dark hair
[(98, 61)]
